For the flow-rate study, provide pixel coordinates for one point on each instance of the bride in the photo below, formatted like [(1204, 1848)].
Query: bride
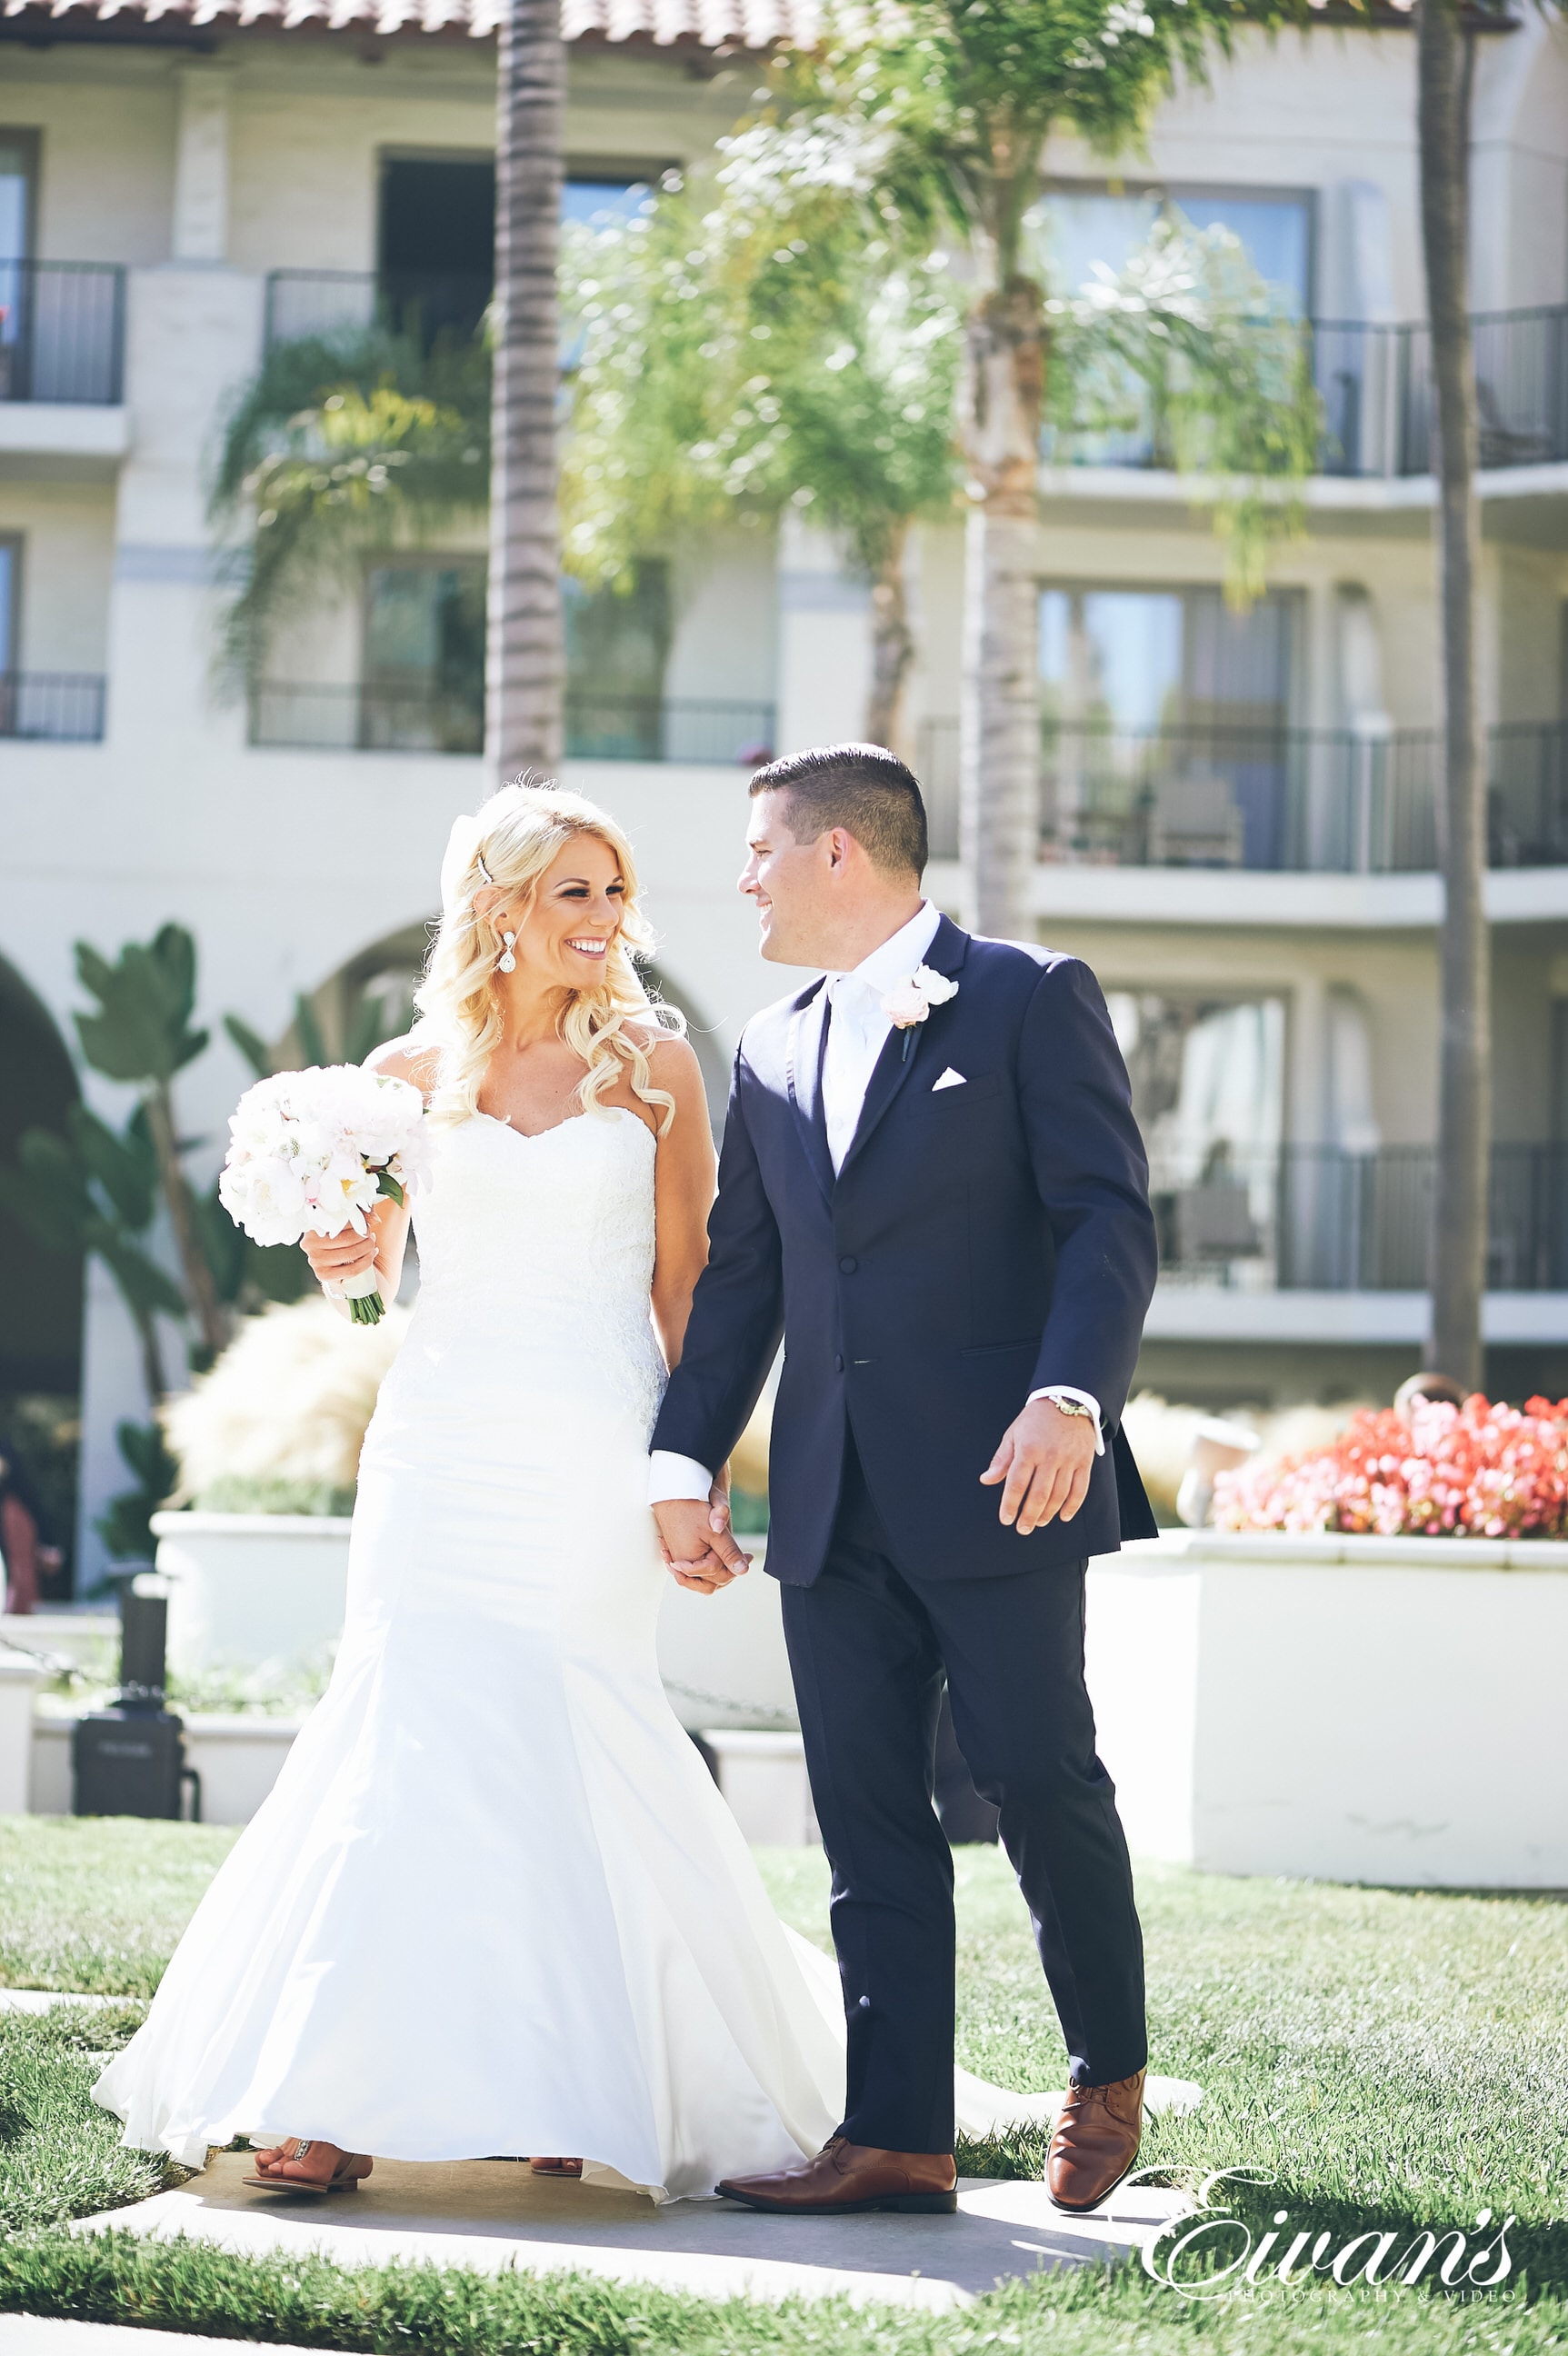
[(494, 1904)]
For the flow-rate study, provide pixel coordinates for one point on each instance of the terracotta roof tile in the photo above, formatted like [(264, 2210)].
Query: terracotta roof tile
[(712, 23)]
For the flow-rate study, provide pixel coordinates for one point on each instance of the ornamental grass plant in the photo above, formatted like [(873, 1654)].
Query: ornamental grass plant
[(1481, 1470)]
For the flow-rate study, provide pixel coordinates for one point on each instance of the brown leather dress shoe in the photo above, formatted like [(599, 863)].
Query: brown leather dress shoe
[(846, 2177), (1095, 2143)]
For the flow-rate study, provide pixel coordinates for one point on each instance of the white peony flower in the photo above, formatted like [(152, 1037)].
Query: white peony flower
[(910, 1001), (904, 1005), (266, 1195)]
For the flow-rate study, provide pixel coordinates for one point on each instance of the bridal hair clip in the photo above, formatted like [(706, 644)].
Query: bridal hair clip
[(485, 876)]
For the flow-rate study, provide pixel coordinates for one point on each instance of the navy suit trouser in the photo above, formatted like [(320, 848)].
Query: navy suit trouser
[(869, 1648)]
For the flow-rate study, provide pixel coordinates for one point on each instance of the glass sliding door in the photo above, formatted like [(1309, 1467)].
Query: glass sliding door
[(19, 173), (1164, 720), (424, 678)]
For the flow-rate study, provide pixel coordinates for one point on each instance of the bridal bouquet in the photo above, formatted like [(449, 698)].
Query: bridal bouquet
[(311, 1152)]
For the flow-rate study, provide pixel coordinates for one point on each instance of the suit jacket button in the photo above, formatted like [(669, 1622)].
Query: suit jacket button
[(838, 1366), (849, 1265)]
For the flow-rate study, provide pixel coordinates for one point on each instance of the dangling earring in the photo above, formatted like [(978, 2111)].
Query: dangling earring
[(506, 962)]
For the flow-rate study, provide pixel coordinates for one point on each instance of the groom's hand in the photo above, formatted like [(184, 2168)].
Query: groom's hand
[(1044, 1462), (698, 1543)]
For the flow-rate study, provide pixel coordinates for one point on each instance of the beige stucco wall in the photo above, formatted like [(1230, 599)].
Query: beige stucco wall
[(67, 531)]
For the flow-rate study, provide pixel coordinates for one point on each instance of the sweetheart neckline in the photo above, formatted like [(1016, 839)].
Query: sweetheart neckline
[(537, 1136)]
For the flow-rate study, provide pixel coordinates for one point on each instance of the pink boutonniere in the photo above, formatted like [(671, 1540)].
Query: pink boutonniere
[(910, 1003)]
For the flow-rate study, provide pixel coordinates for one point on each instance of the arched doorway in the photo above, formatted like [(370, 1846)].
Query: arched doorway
[(40, 1292)]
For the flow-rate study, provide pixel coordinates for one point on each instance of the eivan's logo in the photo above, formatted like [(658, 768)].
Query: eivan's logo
[(1208, 2251)]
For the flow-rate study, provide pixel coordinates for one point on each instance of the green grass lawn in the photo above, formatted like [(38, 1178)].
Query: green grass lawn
[(1383, 2060)]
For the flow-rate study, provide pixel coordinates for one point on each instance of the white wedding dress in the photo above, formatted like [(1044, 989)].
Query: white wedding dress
[(495, 1904)]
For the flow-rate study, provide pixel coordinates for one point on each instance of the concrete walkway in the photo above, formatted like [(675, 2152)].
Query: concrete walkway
[(492, 2215), (50, 2335)]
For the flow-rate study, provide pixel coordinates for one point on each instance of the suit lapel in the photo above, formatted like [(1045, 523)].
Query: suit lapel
[(893, 1068), (803, 1069)]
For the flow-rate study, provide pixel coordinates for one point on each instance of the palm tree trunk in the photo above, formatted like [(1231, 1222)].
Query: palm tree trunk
[(892, 645), (1444, 55), (999, 738), (199, 1289), (524, 657)]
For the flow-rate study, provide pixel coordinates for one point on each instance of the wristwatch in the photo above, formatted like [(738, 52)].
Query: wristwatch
[(1069, 1406)]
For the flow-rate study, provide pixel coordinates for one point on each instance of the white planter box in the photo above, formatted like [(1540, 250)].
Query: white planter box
[(722, 1658), (249, 1588), (20, 1677), (763, 1777), (69, 1635), (1359, 1710), (238, 1760)]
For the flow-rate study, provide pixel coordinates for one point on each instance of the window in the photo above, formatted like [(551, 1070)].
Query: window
[(1209, 1094), (1075, 229), (10, 600), (424, 678), (617, 648), (1138, 659), (19, 173), (436, 234), (1165, 726), (601, 194), (436, 263), (1075, 233)]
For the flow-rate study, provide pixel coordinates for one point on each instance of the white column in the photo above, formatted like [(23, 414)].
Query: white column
[(200, 227)]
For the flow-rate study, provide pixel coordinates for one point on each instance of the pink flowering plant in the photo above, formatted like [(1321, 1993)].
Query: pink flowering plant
[(1479, 1471)]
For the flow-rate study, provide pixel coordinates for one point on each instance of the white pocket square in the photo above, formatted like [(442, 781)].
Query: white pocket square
[(949, 1079)]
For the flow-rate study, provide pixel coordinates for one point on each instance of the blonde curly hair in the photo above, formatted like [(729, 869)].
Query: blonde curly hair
[(510, 843)]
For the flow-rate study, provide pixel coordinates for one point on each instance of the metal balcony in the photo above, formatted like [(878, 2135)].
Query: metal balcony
[(1375, 384), (62, 332), (1316, 1219), (422, 304), (384, 718), (1279, 799), (51, 707)]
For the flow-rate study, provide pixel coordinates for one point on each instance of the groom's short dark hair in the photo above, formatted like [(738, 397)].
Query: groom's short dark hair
[(863, 789)]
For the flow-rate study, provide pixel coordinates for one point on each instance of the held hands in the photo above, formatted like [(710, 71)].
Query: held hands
[(698, 1546), (1044, 1459), (333, 1258)]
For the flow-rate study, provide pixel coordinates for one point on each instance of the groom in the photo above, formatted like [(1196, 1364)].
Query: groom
[(932, 1184)]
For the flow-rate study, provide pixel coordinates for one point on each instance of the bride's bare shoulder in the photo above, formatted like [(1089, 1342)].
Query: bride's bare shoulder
[(413, 1057), (672, 1059)]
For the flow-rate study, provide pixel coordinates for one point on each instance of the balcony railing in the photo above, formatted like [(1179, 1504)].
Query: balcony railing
[(1375, 379), (51, 707), (384, 718), (629, 728), (1303, 801), (1375, 383), (418, 303), (1316, 1219), (62, 331)]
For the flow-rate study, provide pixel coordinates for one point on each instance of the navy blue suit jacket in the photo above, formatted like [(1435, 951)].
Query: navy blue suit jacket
[(978, 1243)]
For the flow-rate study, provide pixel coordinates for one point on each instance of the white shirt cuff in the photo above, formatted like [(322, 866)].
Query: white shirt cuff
[(670, 1476), (1084, 1398)]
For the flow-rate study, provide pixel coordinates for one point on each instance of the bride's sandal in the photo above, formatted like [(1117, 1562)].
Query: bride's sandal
[(346, 2177), (572, 2168)]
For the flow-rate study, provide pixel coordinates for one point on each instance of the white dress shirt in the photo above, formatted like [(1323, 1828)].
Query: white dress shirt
[(857, 1034)]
